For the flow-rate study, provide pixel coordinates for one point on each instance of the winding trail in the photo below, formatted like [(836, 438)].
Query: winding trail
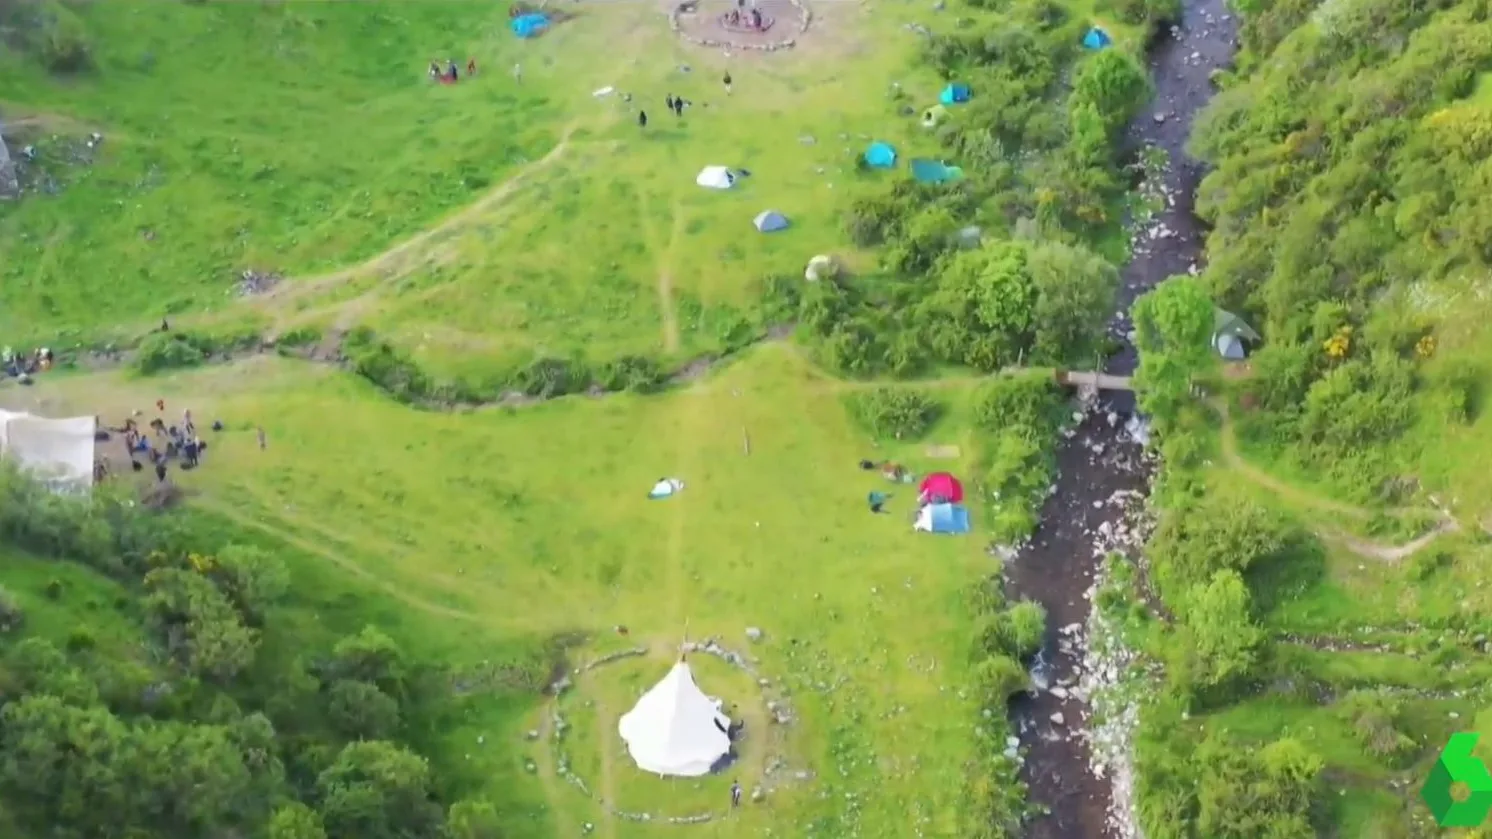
[(422, 248), (1300, 498)]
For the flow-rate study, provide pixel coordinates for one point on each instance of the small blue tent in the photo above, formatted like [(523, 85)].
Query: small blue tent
[(943, 518), (880, 155), (934, 171), (527, 26), (770, 221), (954, 94), (1096, 39)]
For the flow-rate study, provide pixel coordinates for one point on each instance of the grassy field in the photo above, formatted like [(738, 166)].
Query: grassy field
[(486, 220), (534, 522)]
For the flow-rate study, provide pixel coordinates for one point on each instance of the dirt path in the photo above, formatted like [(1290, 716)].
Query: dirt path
[(244, 520), (1297, 497), (665, 282), (402, 257)]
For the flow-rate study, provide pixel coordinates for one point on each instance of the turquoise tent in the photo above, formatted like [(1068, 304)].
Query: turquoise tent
[(880, 155), (1096, 39), (954, 94), (934, 171), (527, 26)]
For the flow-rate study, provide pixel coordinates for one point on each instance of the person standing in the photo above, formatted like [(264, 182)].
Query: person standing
[(642, 119), (669, 100), (263, 440), (735, 793), (727, 82), (678, 106)]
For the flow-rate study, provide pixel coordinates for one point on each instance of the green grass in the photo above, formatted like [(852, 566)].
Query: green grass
[(521, 524)]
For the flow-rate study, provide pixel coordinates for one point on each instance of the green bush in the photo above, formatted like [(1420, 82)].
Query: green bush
[(1029, 404), (386, 367), (12, 616), (631, 372), (167, 351), (895, 413), (300, 336), (546, 378)]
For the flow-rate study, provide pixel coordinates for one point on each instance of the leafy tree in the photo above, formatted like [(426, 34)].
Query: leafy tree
[(66, 765), (1218, 533), (296, 821), (1220, 632), (361, 711), (1114, 84), (373, 657), (1074, 295), (251, 578), (200, 626), (377, 790), (1173, 330), (473, 819), (1246, 793)]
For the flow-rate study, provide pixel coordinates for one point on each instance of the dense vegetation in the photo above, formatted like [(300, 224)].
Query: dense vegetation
[(1351, 211), (1349, 153), (197, 733)]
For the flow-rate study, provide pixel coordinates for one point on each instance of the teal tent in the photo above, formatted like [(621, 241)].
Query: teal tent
[(954, 94), (880, 155), (1096, 39), (529, 25), (934, 172)]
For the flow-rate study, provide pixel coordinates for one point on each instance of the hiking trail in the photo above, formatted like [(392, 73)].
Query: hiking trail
[(1300, 498)]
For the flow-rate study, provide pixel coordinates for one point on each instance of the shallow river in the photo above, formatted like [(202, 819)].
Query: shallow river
[(1057, 568)]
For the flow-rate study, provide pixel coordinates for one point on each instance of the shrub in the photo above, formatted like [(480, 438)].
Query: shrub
[(80, 639), (54, 589), (167, 351), (388, 368), (1028, 403), (895, 413), (300, 336), (630, 372), (12, 616), (1423, 564), (546, 378), (999, 677)]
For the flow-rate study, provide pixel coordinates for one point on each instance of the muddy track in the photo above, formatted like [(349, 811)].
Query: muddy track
[(1059, 565)]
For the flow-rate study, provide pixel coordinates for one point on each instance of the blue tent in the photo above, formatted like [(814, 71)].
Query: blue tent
[(954, 94), (527, 26), (933, 171), (943, 518), (1096, 39), (880, 155)]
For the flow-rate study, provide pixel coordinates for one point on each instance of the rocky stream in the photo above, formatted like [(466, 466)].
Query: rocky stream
[(1076, 762)]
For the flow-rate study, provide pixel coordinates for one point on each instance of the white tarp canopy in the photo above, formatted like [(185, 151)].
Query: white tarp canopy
[(716, 177), (674, 729), (58, 452)]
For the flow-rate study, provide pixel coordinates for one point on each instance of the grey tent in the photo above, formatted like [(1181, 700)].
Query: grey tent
[(770, 221), (1229, 333)]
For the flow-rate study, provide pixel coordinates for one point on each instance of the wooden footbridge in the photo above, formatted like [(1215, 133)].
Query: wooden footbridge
[(1091, 380)]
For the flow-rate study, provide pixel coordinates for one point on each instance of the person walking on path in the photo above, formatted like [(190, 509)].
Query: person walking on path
[(735, 793)]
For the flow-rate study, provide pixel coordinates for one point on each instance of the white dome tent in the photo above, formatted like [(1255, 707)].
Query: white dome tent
[(715, 177), (674, 729)]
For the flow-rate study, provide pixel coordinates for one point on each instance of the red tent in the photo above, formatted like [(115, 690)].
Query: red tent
[(943, 486)]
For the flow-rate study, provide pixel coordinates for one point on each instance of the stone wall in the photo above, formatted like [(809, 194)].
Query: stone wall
[(805, 17)]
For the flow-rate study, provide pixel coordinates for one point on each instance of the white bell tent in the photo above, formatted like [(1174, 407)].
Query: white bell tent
[(674, 729), (57, 452)]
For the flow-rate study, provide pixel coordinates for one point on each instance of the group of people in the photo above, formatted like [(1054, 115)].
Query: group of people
[(157, 444), (450, 74), (752, 17), (24, 366), (677, 104)]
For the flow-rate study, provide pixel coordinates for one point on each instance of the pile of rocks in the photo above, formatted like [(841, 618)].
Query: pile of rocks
[(253, 282)]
